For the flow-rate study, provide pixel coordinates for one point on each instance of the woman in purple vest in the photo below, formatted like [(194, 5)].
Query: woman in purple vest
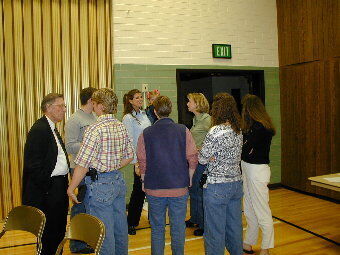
[(135, 121), (222, 192), (167, 158)]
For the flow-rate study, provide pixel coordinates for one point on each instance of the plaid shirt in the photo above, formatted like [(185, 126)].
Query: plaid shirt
[(105, 144)]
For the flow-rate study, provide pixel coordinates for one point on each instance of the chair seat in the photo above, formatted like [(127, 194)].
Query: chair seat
[(79, 230)]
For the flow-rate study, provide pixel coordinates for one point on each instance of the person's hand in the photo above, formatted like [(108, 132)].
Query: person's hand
[(73, 196), (137, 170)]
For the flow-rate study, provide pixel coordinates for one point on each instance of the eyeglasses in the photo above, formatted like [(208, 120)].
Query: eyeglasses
[(60, 105)]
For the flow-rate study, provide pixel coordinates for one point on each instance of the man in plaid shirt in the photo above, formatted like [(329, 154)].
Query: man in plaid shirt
[(106, 148)]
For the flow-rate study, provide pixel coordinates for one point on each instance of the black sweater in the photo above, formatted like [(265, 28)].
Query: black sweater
[(256, 144)]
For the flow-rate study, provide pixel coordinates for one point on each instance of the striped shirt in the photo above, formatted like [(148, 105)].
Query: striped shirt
[(105, 144)]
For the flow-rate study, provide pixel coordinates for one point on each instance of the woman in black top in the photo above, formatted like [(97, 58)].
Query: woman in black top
[(258, 131)]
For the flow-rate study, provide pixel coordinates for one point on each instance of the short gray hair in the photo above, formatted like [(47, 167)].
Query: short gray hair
[(49, 99)]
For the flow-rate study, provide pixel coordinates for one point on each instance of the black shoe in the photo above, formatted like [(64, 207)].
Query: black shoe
[(86, 250), (132, 230), (189, 224), (199, 232), (248, 251)]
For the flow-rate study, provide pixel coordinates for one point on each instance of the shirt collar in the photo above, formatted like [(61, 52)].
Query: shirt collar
[(51, 123), (82, 111), (164, 119), (134, 113), (106, 117), (201, 116)]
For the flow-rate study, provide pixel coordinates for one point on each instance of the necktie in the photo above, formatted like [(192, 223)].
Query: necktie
[(62, 145)]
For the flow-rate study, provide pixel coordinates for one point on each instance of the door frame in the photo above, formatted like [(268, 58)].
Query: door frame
[(257, 83)]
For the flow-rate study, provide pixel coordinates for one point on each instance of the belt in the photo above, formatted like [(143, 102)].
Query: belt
[(60, 176), (89, 173)]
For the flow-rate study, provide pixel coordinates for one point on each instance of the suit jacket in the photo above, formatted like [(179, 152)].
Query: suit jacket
[(40, 158)]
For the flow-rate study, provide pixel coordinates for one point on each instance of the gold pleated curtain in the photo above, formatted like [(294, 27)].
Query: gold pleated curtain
[(46, 46)]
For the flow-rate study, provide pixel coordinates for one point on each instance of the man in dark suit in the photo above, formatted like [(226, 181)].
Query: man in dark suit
[(46, 167)]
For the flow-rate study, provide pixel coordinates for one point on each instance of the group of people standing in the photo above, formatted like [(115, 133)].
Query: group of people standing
[(233, 163), (170, 162)]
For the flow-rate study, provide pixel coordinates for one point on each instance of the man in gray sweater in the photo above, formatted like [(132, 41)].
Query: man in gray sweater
[(74, 131)]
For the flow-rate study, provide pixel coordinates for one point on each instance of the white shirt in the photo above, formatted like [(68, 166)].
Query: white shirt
[(61, 167), (135, 123)]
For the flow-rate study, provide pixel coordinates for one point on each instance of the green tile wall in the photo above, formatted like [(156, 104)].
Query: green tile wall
[(163, 77)]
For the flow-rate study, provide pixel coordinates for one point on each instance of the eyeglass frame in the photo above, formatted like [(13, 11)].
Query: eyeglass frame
[(60, 105)]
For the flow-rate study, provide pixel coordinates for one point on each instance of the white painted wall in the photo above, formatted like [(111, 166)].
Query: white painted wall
[(181, 32)]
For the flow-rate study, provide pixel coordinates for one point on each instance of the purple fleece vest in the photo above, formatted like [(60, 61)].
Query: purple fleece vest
[(166, 163)]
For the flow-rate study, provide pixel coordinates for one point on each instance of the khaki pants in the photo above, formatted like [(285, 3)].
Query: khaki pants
[(256, 204)]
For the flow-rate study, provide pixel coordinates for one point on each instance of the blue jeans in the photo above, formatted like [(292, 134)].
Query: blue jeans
[(223, 218), (196, 197), (105, 199), (76, 209), (177, 211)]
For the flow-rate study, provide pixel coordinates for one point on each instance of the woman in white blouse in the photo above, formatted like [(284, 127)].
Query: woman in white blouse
[(135, 121)]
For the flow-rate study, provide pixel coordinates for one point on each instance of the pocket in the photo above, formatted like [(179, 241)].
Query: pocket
[(238, 189), (81, 192), (219, 190), (103, 192), (262, 173), (124, 188)]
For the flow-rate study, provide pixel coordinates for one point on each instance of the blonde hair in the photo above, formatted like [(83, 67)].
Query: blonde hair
[(201, 102), (107, 98)]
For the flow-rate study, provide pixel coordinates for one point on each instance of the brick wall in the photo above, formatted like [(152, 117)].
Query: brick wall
[(182, 31)]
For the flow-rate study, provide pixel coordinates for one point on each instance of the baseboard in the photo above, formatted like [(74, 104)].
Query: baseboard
[(273, 186), (311, 194)]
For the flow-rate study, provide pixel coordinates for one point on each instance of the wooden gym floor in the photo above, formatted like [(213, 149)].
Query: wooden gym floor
[(294, 214)]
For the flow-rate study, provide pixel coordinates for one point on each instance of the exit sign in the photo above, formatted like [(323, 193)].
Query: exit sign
[(221, 50)]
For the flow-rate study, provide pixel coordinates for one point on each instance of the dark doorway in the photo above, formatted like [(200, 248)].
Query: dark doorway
[(210, 82)]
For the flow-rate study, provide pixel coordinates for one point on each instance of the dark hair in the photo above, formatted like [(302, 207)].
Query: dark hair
[(129, 96), (224, 109), (107, 97), (254, 110), (49, 99), (86, 94), (163, 106)]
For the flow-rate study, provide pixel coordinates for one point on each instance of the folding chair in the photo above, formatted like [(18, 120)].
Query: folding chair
[(86, 228), (26, 218)]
